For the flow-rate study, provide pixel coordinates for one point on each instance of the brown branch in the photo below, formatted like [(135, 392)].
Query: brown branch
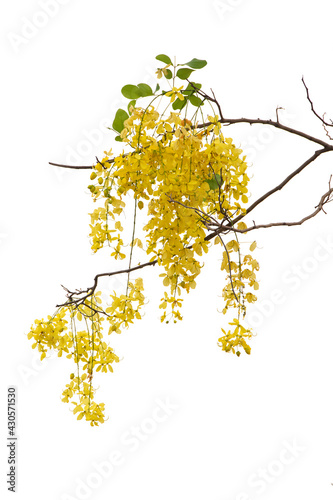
[(284, 182), (277, 113), (321, 118), (95, 311), (326, 198), (81, 167), (84, 167), (229, 121), (218, 105), (233, 121), (277, 188), (276, 124), (89, 291), (103, 166)]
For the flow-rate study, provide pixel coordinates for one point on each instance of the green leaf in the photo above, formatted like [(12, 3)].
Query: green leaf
[(168, 74), (164, 58), (184, 73), (118, 122), (195, 100), (118, 138), (197, 86), (196, 63), (214, 182), (145, 89), (131, 92), (178, 104), (190, 89), (131, 103), (157, 87)]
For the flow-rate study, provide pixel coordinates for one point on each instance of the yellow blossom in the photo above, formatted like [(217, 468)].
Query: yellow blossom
[(174, 93)]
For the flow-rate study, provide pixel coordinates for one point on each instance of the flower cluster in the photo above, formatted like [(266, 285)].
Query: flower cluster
[(236, 339), (122, 310), (84, 346), (188, 179)]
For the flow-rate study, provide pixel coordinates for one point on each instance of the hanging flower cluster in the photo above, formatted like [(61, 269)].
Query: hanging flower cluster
[(84, 346), (188, 179)]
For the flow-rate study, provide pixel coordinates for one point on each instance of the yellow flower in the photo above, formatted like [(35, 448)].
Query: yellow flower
[(175, 93), (162, 71)]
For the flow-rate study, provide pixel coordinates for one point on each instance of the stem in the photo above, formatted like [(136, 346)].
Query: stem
[(132, 246), (232, 286), (76, 348), (92, 353)]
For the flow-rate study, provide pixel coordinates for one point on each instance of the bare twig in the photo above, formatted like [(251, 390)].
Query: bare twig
[(89, 291), (100, 162), (321, 118), (218, 105), (77, 167), (326, 198), (233, 121), (277, 124), (284, 182), (277, 113)]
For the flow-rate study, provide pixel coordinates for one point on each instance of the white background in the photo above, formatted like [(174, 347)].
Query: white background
[(233, 420)]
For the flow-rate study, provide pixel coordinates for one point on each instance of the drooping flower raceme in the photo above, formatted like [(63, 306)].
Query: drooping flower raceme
[(189, 180)]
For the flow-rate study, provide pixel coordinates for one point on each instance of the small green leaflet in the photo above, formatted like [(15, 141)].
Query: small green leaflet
[(178, 104), (118, 122), (164, 58), (196, 63), (195, 101), (136, 91), (145, 89), (190, 89), (214, 182), (131, 103), (184, 73), (131, 92)]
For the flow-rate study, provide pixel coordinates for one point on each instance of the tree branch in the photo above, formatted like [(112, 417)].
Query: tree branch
[(285, 181), (274, 190), (81, 167), (80, 296), (233, 121), (326, 198), (276, 124), (89, 291), (325, 124), (75, 299)]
